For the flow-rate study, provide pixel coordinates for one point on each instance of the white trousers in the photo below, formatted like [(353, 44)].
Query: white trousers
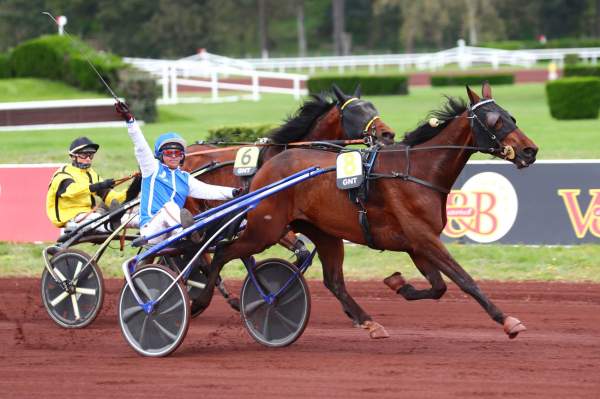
[(167, 216), (85, 217)]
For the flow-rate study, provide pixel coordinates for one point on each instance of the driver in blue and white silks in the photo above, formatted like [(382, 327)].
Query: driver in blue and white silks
[(164, 185)]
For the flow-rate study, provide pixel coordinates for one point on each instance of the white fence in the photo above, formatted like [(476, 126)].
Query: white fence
[(217, 77), (464, 56)]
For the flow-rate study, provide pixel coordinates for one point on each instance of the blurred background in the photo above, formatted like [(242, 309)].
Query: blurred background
[(261, 28)]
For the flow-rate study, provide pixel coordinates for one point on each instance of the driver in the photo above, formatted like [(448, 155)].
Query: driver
[(71, 196), (164, 185)]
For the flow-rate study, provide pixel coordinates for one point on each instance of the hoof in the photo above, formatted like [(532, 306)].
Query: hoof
[(512, 327), (376, 330), (395, 281)]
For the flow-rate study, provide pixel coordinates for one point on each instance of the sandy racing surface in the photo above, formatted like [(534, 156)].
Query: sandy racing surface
[(448, 348)]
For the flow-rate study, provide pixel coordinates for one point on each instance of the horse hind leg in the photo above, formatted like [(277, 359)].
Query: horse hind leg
[(439, 256), (438, 287)]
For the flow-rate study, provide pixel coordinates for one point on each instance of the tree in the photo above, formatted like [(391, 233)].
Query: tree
[(263, 29), (301, 31), (339, 26)]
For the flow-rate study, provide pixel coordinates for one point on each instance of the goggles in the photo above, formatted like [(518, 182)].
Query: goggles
[(172, 153), (85, 155)]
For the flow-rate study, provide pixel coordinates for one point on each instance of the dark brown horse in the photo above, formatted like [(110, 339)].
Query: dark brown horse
[(407, 204), (318, 119)]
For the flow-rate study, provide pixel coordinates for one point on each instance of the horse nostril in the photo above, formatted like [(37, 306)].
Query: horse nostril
[(530, 152), (389, 136)]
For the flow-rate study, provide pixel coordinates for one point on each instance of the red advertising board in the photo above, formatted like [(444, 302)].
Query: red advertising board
[(23, 203)]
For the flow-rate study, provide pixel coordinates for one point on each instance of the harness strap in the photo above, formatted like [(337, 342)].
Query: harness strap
[(359, 196)]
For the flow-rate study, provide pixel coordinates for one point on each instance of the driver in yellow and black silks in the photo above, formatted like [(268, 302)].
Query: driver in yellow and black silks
[(71, 198)]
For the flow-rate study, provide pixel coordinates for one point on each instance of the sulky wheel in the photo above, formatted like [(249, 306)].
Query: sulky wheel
[(76, 303), (283, 321), (195, 283), (161, 331)]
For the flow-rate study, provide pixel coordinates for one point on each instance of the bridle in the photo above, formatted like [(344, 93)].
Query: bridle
[(365, 126), (506, 152)]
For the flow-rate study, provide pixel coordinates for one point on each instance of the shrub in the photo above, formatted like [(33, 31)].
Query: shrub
[(61, 58), (369, 84), (567, 42), (571, 59), (581, 70), (461, 80), (5, 70), (574, 98), (140, 91), (248, 133)]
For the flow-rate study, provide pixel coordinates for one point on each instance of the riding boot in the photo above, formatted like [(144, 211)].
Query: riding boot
[(302, 253), (187, 220)]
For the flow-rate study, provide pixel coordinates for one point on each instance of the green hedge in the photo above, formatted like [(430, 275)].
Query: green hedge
[(574, 98), (5, 69), (140, 91), (247, 133), (369, 84), (461, 80), (61, 58), (581, 70), (534, 44)]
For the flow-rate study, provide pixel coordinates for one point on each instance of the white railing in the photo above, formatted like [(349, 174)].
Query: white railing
[(171, 75), (464, 56)]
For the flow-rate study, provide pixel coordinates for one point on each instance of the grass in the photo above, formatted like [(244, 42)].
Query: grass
[(527, 102), (483, 262), (556, 139), (26, 89)]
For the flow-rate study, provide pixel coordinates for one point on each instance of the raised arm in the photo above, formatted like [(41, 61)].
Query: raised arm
[(143, 152)]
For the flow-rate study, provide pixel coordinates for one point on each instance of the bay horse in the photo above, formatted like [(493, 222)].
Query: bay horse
[(321, 118), (410, 182)]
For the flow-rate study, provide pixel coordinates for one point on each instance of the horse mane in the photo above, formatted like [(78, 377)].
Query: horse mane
[(299, 124), (424, 132)]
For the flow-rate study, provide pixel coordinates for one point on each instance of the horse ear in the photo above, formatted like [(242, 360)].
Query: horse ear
[(341, 97), (357, 91), (486, 90), (474, 98)]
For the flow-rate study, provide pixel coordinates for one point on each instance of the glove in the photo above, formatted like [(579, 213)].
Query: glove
[(102, 185), (123, 110), (236, 192), (134, 188)]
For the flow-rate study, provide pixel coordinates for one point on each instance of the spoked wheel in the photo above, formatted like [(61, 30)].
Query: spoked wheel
[(161, 331), (195, 284), (78, 305), (283, 321)]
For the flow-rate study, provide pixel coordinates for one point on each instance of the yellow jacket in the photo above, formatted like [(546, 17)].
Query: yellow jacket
[(69, 194)]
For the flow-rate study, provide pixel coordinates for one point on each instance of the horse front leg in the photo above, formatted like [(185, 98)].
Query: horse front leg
[(331, 253), (438, 287), (437, 255)]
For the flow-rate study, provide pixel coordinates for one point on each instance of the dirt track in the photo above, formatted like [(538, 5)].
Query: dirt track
[(437, 349)]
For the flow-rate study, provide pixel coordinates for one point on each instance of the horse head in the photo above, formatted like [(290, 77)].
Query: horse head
[(359, 118), (495, 129)]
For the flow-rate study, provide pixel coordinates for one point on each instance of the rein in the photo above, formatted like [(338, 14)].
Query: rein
[(126, 178), (339, 143)]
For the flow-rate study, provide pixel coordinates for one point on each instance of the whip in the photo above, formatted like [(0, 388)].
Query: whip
[(112, 93)]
